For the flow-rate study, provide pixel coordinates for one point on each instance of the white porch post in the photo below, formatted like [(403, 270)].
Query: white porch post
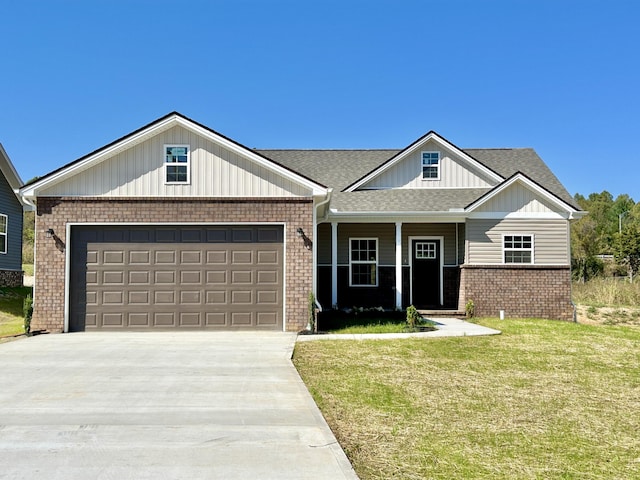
[(399, 265), (334, 264)]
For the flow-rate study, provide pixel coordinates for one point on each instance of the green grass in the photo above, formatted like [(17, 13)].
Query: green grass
[(11, 314), (370, 322), (545, 399), (28, 268)]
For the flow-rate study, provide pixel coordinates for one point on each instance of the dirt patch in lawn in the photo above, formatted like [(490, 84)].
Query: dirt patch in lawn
[(589, 315)]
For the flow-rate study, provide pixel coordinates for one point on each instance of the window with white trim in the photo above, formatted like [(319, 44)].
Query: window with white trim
[(3, 233), (518, 248), (363, 262), (176, 163), (430, 165)]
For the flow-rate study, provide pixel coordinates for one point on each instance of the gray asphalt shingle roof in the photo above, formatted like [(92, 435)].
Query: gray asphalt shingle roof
[(340, 168)]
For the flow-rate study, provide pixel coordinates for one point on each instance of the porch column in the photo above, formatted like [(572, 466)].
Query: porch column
[(334, 264), (399, 265)]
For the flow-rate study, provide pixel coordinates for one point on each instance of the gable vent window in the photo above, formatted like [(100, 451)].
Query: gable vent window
[(518, 248), (176, 163), (431, 165)]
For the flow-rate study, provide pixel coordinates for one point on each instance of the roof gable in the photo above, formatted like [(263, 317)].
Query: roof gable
[(10, 174), (519, 195), (134, 156), (390, 174)]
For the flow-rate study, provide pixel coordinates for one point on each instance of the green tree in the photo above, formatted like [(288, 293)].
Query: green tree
[(626, 249)]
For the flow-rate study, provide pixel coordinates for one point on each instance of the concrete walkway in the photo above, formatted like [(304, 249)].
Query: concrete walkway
[(446, 327), (159, 405)]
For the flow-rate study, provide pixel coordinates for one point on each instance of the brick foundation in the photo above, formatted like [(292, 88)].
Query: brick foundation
[(56, 213), (11, 278), (522, 291)]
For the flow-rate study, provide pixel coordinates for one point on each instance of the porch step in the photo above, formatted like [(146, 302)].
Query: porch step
[(443, 313)]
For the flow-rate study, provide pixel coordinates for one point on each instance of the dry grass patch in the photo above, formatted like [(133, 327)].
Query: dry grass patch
[(543, 400)]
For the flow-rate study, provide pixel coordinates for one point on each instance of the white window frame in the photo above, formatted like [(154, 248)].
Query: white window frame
[(426, 253), (531, 250), (168, 164), (363, 262), (5, 234), (437, 166)]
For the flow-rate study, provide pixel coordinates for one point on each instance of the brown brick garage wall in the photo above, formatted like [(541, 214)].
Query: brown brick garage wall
[(529, 291), (56, 213)]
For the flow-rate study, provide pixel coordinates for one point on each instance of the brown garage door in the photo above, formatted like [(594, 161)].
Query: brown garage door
[(167, 277)]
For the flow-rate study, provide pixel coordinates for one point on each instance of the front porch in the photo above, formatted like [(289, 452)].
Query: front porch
[(390, 265)]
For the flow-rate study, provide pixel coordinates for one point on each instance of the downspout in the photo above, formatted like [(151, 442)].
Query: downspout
[(315, 244)]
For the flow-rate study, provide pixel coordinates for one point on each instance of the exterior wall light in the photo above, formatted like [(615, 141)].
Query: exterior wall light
[(49, 233)]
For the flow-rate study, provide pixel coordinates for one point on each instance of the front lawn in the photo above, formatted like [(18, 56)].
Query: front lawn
[(545, 399), (11, 310)]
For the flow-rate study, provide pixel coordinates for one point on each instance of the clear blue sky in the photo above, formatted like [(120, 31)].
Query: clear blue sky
[(561, 76)]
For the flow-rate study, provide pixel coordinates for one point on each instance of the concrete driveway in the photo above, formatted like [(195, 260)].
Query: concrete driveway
[(160, 405)]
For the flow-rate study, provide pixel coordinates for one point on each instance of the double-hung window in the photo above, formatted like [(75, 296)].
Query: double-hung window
[(3, 233), (518, 248), (363, 262), (430, 165), (176, 163)]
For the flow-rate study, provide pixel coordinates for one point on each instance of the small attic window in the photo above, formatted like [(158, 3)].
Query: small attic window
[(176, 163), (431, 165)]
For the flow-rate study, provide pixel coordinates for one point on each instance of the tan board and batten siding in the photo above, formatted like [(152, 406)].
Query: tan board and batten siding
[(215, 171), (517, 198), (454, 172), (551, 240)]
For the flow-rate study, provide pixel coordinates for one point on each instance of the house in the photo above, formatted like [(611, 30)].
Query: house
[(177, 226), (11, 216)]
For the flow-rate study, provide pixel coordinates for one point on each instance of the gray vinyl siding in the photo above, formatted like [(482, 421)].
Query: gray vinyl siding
[(386, 235), (454, 172), (324, 244), (215, 171), (551, 240), (384, 232), (446, 230), (11, 207)]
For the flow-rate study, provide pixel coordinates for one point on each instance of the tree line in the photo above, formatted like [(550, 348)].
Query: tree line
[(607, 239)]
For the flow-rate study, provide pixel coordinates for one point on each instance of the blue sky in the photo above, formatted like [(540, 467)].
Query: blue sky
[(560, 76)]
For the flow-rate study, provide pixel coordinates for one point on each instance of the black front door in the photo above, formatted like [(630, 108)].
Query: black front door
[(425, 273)]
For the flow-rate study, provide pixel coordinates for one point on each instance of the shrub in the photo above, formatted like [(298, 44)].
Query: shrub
[(27, 308), (470, 308), (413, 317)]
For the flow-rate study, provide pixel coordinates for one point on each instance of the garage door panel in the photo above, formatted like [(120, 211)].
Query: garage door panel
[(217, 277), (266, 319), (139, 319), (113, 320), (139, 277), (164, 319), (145, 280), (216, 297), (241, 318), (191, 277), (165, 277), (165, 257)]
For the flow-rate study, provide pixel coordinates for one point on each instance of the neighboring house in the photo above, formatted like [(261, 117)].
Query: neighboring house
[(177, 226), (11, 216)]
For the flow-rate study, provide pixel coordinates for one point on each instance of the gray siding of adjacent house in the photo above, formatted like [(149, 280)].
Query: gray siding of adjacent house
[(11, 207), (551, 240)]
